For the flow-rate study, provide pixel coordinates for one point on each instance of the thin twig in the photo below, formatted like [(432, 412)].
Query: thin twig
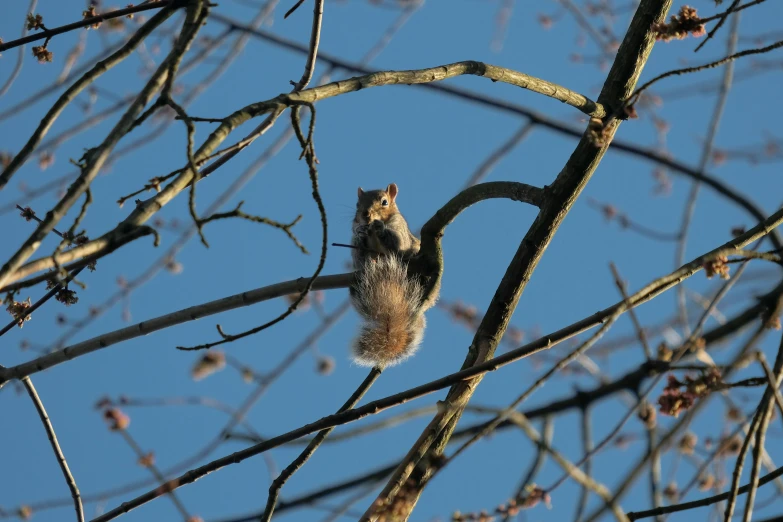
[(315, 39), (51, 293), (612, 213), (548, 430), (772, 384), (711, 65), (706, 155), (758, 450), (58, 452), (313, 173), (569, 467), (20, 56), (287, 473), (497, 155), (721, 20), (656, 495), (621, 286), (685, 506), (92, 20), (141, 457), (732, 9), (294, 8), (585, 24), (587, 447), (761, 419)]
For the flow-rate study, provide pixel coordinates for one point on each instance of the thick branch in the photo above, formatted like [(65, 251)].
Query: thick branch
[(403, 490)]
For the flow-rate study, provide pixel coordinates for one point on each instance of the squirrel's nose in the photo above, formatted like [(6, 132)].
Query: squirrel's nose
[(367, 216)]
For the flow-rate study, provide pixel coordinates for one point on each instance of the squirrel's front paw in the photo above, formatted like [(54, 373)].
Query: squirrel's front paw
[(377, 227)]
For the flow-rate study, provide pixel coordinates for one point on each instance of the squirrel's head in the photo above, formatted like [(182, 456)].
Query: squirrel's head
[(375, 205)]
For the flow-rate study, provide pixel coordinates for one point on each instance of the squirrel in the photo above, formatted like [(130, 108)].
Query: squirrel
[(385, 296)]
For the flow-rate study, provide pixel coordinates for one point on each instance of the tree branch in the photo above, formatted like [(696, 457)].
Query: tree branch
[(287, 473), (637, 515), (92, 20), (58, 452)]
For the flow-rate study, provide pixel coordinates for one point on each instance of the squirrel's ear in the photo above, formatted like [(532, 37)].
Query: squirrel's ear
[(392, 191), (360, 192)]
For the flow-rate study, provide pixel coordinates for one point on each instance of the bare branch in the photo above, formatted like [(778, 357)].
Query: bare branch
[(92, 20), (279, 482), (706, 154), (711, 65), (20, 58), (58, 452), (315, 38), (638, 515)]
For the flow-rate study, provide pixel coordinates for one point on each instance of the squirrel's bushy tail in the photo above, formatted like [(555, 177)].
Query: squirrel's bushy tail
[(389, 302)]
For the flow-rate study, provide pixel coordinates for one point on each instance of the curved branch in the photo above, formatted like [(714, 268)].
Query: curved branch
[(512, 190), (443, 72)]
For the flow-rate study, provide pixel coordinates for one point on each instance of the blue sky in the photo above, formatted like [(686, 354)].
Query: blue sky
[(427, 143)]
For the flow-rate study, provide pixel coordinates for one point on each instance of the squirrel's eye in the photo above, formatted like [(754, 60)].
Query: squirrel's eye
[(385, 203)]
